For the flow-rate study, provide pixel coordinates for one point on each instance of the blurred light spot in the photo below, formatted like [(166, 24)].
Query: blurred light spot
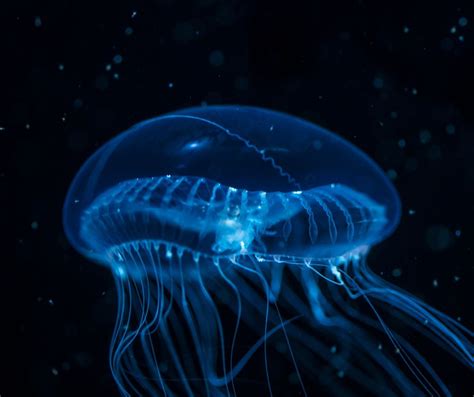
[(438, 238), (216, 58)]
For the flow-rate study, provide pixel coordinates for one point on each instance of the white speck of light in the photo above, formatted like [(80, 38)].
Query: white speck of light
[(297, 192), (435, 283), (411, 212), (170, 85), (54, 371), (462, 21), (134, 14), (406, 29)]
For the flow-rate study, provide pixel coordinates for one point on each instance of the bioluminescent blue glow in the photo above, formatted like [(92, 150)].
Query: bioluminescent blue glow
[(237, 237)]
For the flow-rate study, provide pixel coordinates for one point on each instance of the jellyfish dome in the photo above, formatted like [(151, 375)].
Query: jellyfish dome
[(222, 219)]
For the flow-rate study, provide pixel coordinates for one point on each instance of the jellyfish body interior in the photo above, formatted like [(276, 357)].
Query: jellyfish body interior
[(238, 233)]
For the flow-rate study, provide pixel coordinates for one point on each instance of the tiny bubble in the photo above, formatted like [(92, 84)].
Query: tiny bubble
[(108, 67), (340, 373), (51, 302), (379, 346), (406, 29), (397, 272), (411, 212), (392, 174), (450, 129), (170, 85), (435, 283), (462, 21), (61, 67), (456, 278), (134, 14), (414, 91), (116, 76), (457, 233), (461, 38), (378, 83), (425, 136), (118, 59), (38, 22), (216, 58), (34, 225), (27, 126), (402, 143), (54, 371), (453, 29), (128, 31), (333, 349)]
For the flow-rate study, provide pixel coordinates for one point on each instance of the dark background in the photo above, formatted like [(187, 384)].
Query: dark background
[(394, 78)]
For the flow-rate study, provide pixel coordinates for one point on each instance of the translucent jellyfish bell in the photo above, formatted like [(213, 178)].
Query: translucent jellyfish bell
[(255, 151)]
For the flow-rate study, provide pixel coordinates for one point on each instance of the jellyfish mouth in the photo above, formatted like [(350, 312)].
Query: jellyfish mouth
[(205, 217)]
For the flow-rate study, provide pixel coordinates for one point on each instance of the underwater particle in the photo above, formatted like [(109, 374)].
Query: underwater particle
[(411, 212), (77, 104), (414, 91), (50, 302), (456, 279), (392, 174), (462, 21), (402, 143), (340, 374), (425, 136), (333, 349), (453, 30), (450, 129), (116, 76), (457, 233), (394, 115), (170, 85), (134, 14), (61, 67), (397, 272), (38, 22), (438, 238), (117, 59), (406, 29), (128, 31), (216, 58), (54, 371), (435, 283), (378, 83), (461, 38), (34, 225), (108, 67), (447, 44)]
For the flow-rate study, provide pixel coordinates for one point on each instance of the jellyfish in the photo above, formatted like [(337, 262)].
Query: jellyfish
[(237, 238)]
